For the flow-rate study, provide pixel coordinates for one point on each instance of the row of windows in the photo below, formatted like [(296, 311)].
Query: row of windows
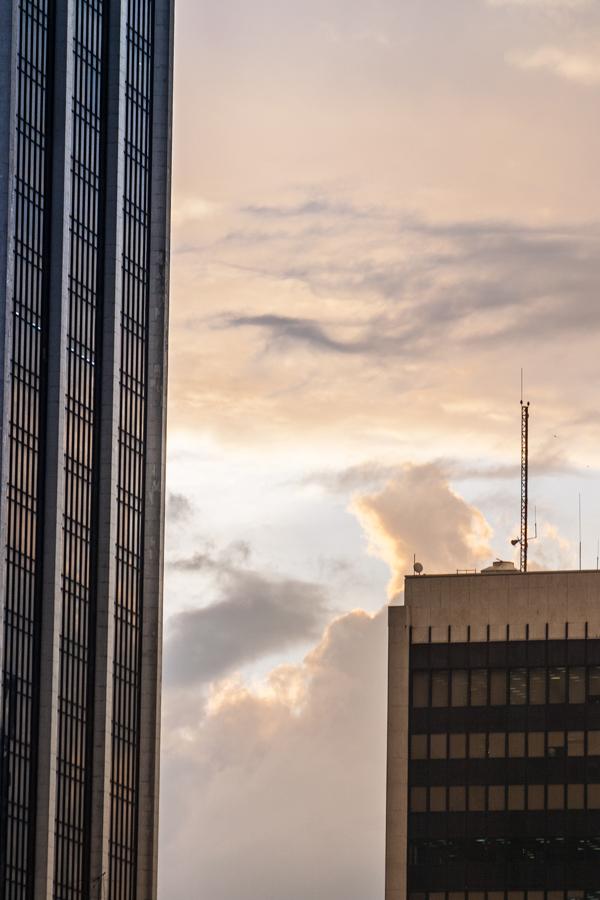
[(501, 744), (17, 712), (501, 797), (503, 850), (506, 895), (501, 687)]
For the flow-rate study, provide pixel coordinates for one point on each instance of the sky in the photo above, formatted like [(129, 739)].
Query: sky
[(381, 213)]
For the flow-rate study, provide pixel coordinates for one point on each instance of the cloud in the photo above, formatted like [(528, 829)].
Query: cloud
[(278, 792), (418, 512), (258, 615), (579, 67), (544, 4), (179, 508)]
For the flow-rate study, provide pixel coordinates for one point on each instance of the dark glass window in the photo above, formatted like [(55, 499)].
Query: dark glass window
[(458, 746), (439, 746), (516, 744), (536, 797), (479, 692), (460, 687), (497, 745), (457, 798), (594, 743), (439, 689), (577, 685), (576, 743), (536, 744), (496, 798), (593, 796), (418, 799), (518, 687), (477, 746), (556, 796), (516, 796), (498, 687), (420, 689), (537, 686), (594, 685), (556, 743), (418, 746), (557, 685), (575, 796), (437, 799), (476, 798)]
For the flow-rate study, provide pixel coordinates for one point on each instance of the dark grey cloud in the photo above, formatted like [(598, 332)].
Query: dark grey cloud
[(257, 615), (179, 508), (511, 280)]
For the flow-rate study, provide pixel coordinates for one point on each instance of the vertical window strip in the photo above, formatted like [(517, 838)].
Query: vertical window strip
[(131, 453), (78, 525), (17, 725)]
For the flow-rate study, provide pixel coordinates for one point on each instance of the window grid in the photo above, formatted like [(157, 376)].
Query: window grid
[(25, 429), (131, 453), (78, 590)]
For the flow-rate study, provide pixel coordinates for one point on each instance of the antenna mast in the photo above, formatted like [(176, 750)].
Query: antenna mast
[(524, 483)]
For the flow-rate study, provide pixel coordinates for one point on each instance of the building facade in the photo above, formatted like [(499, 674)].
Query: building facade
[(85, 134), (494, 738)]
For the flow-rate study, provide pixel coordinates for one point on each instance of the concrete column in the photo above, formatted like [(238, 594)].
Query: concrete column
[(397, 766), (151, 674), (7, 153), (108, 452), (60, 198)]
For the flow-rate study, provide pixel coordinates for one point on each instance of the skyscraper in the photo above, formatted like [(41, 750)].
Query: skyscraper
[(85, 132), (494, 738)]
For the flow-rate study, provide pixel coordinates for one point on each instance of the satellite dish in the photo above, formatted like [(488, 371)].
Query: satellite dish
[(418, 567)]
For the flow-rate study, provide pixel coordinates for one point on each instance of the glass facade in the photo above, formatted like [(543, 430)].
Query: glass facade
[(24, 481), (131, 451), (75, 695), (504, 770), (85, 324)]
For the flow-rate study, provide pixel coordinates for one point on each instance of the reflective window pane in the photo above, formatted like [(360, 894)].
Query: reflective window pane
[(594, 685), (577, 685), (497, 745), (460, 687), (516, 744), (556, 743), (420, 689), (556, 796), (496, 797), (593, 796), (575, 796), (439, 689), (593, 743), (418, 799), (536, 799), (458, 746), (479, 683), (537, 686), (477, 746), (516, 796), (476, 798), (536, 744), (437, 799), (438, 746), (457, 799), (518, 687), (418, 746), (557, 685), (576, 743), (498, 687)]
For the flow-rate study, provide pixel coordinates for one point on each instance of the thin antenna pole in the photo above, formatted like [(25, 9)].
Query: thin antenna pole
[(524, 483)]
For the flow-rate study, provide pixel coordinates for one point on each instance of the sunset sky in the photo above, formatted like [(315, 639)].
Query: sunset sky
[(381, 212)]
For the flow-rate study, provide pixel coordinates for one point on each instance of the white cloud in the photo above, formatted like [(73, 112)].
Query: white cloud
[(579, 67), (278, 793), (418, 512)]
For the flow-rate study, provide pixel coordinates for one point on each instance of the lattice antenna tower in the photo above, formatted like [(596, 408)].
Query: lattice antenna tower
[(524, 540)]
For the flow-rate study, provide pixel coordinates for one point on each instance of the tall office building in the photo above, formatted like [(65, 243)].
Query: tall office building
[(494, 738), (85, 130)]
